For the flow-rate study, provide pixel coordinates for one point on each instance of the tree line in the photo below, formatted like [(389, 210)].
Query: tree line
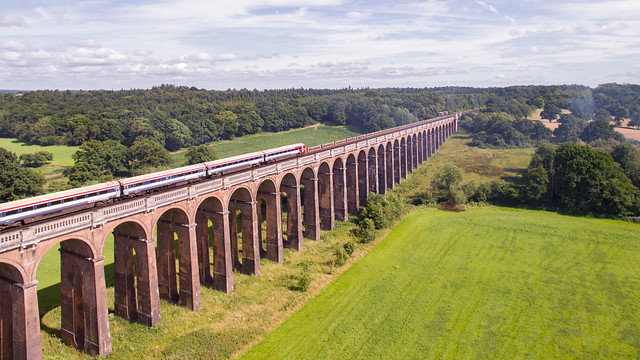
[(180, 117), (129, 132)]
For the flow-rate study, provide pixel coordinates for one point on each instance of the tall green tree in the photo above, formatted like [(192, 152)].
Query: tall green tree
[(446, 185), (588, 181), (17, 182), (109, 156), (550, 112), (146, 156), (200, 153)]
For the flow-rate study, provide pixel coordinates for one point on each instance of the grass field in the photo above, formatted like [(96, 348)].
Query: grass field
[(62, 155), (485, 283), (311, 136), (479, 165), (226, 323)]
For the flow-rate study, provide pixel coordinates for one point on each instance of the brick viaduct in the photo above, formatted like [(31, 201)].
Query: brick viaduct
[(300, 196)]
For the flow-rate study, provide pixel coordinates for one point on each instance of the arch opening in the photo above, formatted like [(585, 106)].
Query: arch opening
[(84, 321), (382, 179), (213, 245), (325, 197), (389, 165), (363, 179), (339, 190), (352, 186), (243, 226), (373, 170), (269, 217), (310, 205), (176, 234), (135, 278), (291, 213)]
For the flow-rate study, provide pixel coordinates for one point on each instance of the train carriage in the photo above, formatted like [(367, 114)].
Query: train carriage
[(36, 207), (144, 183)]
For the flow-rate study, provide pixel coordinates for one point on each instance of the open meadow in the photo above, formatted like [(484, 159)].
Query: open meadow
[(485, 283), (311, 136), (62, 155)]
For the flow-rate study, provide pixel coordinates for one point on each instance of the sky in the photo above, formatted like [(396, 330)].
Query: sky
[(274, 44)]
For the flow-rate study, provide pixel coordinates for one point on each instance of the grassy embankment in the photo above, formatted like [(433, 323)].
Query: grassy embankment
[(219, 317), (485, 283)]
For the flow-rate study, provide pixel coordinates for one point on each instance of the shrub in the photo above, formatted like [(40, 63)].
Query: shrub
[(304, 281), (341, 256), (366, 231), (350, 247), (382, 209)]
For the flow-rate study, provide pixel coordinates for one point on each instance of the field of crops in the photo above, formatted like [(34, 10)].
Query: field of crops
[(484, 283)]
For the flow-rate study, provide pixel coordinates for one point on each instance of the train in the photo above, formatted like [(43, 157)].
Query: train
[(32, 209)]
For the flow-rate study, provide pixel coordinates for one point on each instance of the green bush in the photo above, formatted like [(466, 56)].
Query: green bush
[(349, 247), (382, 209), (366, 231), (304, 281), (341, 256)]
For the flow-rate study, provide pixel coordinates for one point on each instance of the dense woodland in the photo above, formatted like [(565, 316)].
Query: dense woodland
[(129, 132)]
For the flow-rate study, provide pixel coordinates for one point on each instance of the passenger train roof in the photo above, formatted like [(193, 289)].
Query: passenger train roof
[(57, 195), (159, 174)]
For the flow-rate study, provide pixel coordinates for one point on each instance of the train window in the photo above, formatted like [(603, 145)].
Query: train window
[(43, 205), (67, 200), (12, 212), (56, 202)]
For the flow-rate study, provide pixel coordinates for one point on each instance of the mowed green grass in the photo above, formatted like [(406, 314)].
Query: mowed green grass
[(484, 283), (62, 155), (311, 136)]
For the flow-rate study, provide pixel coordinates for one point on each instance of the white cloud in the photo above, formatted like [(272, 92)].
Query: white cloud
[(9, 21), (283, 43), (93, 57)]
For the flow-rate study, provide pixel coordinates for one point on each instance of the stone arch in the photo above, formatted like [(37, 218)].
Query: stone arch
[(432, 139), (372, 170), (339, 190), (420, 150), (403, 158), (396, 161), (409, 154), (135, 284), (212, 237), (389, 165), (269, 218), (352, 186), (414, 151), (242, 216), (310, 205), (363, 178), (83, 297), (425, 145), (382, 179), (174, 223), (290, 205), (325, 196)]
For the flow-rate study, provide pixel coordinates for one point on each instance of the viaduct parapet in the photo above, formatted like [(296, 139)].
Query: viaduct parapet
[(297, 197)]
